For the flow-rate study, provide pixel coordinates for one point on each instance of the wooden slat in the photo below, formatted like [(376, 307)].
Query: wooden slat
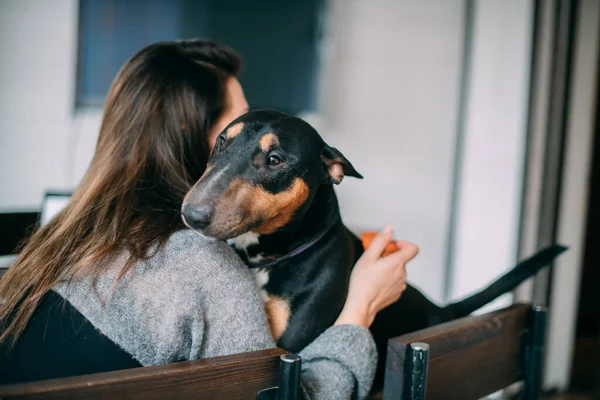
[(469, 358), (238, 376)]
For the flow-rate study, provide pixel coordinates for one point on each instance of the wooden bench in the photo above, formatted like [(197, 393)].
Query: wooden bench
[(463, 359), (239, 376), (468, 358)]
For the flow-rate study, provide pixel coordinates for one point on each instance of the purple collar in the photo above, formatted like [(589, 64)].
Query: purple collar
[(298, 250)]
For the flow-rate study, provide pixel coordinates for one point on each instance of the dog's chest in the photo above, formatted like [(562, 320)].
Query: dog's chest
[(261, 277), (242, 244), (277, 307)]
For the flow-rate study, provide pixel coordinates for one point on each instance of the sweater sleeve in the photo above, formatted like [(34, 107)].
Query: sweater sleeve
[(339, 364)]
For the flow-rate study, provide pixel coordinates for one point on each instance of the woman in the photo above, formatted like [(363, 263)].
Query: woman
[(140, 289)]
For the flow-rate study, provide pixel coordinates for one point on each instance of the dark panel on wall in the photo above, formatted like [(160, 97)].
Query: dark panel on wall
[(279, 41)]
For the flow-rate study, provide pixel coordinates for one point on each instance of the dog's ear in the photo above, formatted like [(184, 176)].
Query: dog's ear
[(337, 166)]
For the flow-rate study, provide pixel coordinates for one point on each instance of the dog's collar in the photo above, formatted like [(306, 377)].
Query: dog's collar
[(298, 250)]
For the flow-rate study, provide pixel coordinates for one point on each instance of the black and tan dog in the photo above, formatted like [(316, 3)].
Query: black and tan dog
[(268, 190)]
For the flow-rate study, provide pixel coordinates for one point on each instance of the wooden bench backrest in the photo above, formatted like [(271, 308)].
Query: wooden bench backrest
[(468, 358), (239, 376)]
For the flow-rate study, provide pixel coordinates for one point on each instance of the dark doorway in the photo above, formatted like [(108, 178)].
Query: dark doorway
[(585, 373)]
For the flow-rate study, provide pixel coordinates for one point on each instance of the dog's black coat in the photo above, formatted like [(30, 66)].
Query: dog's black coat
[(314, 281)]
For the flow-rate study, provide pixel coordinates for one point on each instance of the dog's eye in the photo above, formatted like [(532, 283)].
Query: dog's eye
[(219, 143), (274, 160)]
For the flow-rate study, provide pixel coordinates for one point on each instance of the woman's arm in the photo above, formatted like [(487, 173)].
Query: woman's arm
[(341, 362)]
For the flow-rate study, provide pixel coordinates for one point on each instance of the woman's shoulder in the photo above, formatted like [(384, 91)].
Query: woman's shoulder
[(174, 305), (186, 239), (196, 261), (188, 245)]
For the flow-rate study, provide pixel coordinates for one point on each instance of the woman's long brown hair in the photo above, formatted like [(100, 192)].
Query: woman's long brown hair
[(151, 149)]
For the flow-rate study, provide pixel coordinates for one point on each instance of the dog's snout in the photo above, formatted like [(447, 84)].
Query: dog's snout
[(197, 217)]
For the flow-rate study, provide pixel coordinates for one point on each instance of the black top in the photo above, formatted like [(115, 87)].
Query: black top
[(59, 342)]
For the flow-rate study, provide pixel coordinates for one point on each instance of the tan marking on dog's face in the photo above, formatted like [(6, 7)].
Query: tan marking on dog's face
[(234, 130), (279, 208), (278, 315), (243, 205), (268, 141)]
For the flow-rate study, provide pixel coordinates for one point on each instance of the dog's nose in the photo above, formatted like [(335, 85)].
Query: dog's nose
[(197, 217)]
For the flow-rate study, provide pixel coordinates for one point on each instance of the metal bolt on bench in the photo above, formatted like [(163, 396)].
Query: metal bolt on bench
[(289, 380), (533, 364), (418, 358)]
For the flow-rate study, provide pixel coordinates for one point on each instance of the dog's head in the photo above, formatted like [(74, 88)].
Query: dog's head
[(262, 173)]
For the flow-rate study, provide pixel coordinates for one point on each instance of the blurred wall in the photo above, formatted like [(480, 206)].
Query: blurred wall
[(390, 102), (390, 89), (431, 106), (491, 164), (392, 94), (37, 75)]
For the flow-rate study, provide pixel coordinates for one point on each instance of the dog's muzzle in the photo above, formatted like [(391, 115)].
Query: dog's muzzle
[(196, 217)]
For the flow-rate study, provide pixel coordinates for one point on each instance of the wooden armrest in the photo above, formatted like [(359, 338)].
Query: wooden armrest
[(237, 376), (468, 358)]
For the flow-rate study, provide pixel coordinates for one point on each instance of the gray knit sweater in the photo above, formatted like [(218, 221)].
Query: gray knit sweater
[(195, 299)]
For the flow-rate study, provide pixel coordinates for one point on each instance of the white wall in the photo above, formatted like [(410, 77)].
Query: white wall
[(37, 72), (389, 100), (491, 171), (393, 79)]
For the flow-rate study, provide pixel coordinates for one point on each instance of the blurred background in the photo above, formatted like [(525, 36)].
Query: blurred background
[(473, 122)]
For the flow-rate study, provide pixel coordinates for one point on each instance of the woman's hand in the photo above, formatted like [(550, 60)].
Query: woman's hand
[(376, 282)]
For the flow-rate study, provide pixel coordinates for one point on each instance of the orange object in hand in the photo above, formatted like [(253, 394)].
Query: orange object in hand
[(367, 238)]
